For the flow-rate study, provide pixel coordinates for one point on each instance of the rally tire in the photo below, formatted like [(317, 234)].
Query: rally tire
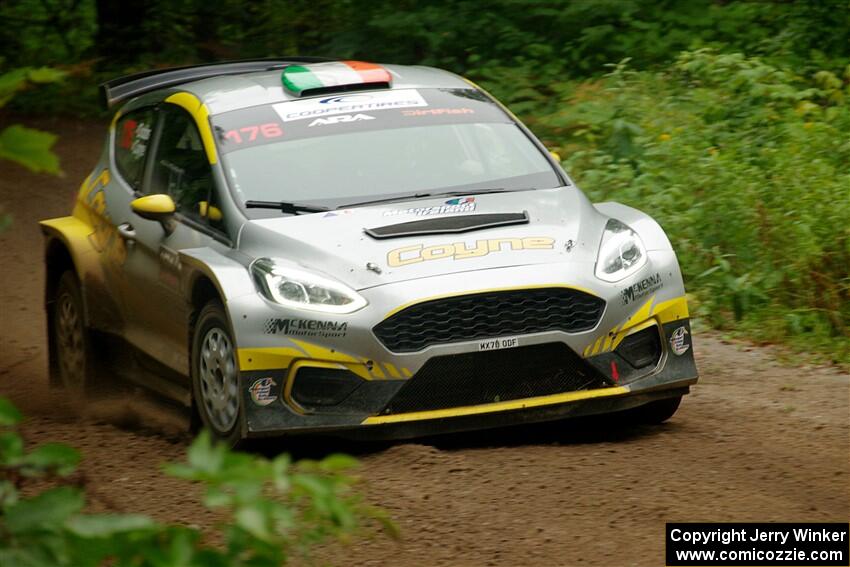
[(657, 412), (215, 375), (75, 365)]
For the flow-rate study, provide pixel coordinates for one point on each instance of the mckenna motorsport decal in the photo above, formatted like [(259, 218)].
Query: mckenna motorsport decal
[(340, 118), (460, 205), (261, 391), (678, 342), (461, 250), (642, 288), (305, 328), (348, 104)]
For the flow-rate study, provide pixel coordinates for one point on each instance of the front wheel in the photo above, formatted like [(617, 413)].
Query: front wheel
[(215, 376)]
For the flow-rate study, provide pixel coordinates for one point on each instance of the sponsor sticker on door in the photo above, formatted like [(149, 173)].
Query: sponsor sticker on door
[(498, 344), (679, 341), (263, 391)]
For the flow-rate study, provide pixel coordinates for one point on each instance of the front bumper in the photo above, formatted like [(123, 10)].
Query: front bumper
[(278, 347), (670, 377)]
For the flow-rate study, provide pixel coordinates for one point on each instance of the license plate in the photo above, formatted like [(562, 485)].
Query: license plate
[(496, 344)]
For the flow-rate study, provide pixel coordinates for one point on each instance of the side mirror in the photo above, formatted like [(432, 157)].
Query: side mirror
[(158, 208), (209, 211)]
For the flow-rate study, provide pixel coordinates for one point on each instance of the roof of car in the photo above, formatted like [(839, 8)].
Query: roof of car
[(233, 91), (222, 94)]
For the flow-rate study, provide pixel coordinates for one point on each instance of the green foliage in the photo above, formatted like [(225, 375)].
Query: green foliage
[(745, 164), (277, 509), (49, 31), (27, 146), (17, 80), (547, 39)]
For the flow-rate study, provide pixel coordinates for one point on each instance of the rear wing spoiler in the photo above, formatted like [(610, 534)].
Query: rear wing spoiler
[(118, 90)]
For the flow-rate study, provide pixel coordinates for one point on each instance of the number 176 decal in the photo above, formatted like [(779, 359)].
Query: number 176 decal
[(245, 134)]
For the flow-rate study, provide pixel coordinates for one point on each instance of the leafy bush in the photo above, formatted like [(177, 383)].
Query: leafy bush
[(277, 509), (745, 164), (26, 146)]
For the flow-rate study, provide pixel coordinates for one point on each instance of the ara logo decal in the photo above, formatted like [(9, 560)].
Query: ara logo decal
[(340, 118), (678, 341), (460, 250), (262, 392)]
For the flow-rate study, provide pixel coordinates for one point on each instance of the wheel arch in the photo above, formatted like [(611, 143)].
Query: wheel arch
[(208, 274), (202, 290), (66, 248)]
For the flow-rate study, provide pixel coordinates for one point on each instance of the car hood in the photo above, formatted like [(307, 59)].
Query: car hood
[(563, 227)]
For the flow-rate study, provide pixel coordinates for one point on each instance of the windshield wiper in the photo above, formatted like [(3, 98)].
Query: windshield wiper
[(457, 193), (285, 207), (483, 191)]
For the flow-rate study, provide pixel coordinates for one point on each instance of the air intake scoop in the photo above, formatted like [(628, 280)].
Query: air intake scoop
[(448, 225)]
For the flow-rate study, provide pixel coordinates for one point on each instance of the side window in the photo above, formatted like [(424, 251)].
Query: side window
[(132, 135), (180, 167)]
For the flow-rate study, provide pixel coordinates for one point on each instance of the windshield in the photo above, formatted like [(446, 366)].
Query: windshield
[(340, 150)]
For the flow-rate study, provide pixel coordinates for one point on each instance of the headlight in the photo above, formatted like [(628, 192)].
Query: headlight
[(304, 290), (621, 252)]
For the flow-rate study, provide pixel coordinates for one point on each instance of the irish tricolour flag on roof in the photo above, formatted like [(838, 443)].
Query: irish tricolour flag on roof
[(301, 78)]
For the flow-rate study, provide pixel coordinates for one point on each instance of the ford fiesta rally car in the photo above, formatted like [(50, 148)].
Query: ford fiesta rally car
[(302, 246)]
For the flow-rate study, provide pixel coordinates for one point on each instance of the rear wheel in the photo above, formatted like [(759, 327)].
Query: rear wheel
[(74, 363), (658, 411), (215, 376)]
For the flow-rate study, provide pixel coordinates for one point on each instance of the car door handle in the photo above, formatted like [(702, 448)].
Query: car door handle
[(127, 231)]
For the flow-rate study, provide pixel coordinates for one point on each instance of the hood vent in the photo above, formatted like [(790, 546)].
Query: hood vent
[(448, 224)]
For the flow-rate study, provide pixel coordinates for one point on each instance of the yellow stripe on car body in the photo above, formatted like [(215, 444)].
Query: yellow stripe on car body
[(201, 114)]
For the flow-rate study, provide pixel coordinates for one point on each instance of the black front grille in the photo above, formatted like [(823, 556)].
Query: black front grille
[(475, 378), (487, 315)]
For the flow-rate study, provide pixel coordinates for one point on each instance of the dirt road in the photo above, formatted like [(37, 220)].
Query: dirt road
[(755, 441)]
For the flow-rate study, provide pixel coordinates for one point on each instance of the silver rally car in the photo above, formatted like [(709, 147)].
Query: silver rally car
[(298, 245)]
